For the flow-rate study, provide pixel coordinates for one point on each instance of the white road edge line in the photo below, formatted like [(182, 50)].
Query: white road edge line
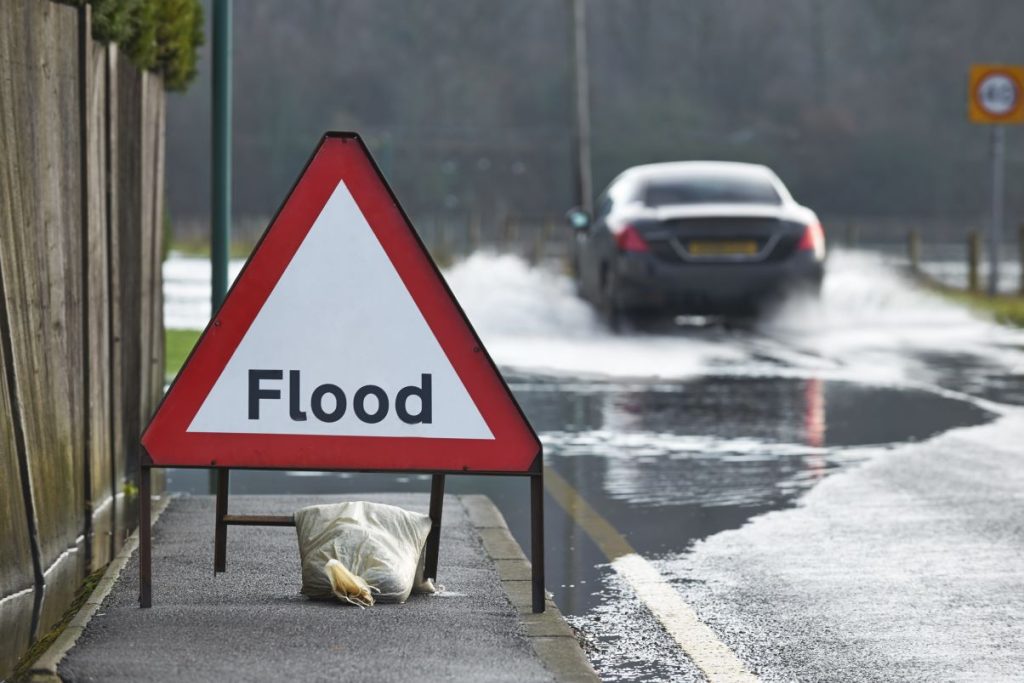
[(698, 641)]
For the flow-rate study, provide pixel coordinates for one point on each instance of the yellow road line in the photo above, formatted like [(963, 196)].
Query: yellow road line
[(700, 643)]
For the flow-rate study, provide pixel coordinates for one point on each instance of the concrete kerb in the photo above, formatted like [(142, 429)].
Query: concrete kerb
[(550, 635), (45, 668)]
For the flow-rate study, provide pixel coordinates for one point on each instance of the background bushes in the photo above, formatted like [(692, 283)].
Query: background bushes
[(157, 35)]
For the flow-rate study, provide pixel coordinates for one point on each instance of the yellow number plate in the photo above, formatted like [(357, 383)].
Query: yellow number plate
[(722, 248)]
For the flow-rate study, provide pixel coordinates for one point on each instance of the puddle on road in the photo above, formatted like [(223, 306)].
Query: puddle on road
[(668, 462)]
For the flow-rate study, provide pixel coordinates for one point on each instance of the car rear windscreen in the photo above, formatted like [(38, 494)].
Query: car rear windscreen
[(711, 189)]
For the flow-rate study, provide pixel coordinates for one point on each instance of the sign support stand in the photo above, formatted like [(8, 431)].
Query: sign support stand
[(431, 549), (434, 538), (145, 537), (220, 534), (996, 98), (995, 237), (537, 537)]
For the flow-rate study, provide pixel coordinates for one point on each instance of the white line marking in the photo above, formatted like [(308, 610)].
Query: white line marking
[(696, 639), (699, 642)]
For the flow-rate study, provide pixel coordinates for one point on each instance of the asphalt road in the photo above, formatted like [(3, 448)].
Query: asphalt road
[(836, 492)]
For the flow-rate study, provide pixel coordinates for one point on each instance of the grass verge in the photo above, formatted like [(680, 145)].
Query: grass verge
[(200, 247), (1005, 308), (21, 671), (179, 344)]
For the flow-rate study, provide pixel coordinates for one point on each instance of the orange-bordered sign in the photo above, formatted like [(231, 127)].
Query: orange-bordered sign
[(340, 347), (996, 94)]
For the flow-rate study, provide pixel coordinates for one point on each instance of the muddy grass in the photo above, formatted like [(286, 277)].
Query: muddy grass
[(22, 670)]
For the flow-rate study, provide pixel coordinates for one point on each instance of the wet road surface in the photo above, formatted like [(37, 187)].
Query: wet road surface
[(676, 437)]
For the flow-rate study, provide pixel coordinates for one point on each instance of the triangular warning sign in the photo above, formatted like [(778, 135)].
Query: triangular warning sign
[(341, 347)]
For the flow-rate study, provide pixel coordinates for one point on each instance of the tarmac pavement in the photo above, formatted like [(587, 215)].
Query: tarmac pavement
[(251, 623)]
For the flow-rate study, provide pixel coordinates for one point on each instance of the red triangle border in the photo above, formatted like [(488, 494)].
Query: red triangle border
[(342, 156)]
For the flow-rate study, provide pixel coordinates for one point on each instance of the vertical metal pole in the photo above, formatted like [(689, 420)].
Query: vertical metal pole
[(221, 178), (220, 224), (581, 91), (145, 538), (220, 534), (995, 236), (434, 538), (1020, 255), (537, 540)]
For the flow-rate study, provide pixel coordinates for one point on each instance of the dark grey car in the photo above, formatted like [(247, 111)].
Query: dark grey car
[(695, 238)]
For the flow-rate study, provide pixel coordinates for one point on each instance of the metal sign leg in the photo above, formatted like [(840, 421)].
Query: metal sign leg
[(434, 539), (145, 538), (537, 540), (220, 537)]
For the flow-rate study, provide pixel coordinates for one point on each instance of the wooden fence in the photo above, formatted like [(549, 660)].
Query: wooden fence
[(81, 335), (973, 252)]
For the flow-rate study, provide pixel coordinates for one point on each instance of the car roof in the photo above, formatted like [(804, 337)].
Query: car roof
[(628, 184), (668, 169)]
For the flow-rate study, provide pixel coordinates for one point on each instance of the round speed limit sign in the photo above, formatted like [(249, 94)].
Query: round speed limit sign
[(997, 95)]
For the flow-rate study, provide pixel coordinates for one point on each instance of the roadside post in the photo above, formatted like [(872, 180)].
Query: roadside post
[(341, 348), (1020, 256), (996, 97), (914, 250), (973, 261), (220, 178)]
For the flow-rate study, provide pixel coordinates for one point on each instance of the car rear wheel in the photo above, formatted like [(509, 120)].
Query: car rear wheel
[(611, 312)]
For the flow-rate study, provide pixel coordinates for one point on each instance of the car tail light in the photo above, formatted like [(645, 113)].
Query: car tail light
[(813, 240), (630, 239)]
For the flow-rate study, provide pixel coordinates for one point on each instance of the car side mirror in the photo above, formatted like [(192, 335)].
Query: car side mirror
[(577, 218)]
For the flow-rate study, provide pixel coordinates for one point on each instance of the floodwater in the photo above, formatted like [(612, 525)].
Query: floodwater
[(678, 435)]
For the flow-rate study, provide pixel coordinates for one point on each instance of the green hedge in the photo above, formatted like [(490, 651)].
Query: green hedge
[(159, 35)]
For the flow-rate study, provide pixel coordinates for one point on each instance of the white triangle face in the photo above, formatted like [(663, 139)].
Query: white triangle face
[(340, 315)]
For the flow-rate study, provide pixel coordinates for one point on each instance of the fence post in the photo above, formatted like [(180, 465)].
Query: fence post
[(474, 231), (973, 259), (541, 240), (914, 250), (509, 233), (1020, 252), (851, 235)]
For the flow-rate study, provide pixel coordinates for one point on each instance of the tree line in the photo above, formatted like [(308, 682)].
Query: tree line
[(860, 106)]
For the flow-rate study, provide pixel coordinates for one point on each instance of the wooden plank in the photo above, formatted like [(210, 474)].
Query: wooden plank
[(129, 275), (40, 250), (17, 581), (156, 345), (147, 149), (100, 487), (119, 465), (259, 520)]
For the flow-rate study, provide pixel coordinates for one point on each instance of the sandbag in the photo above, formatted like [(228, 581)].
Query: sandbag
[(361, 552)]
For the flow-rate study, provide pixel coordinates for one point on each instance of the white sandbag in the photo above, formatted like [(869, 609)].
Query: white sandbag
[(379, 548)]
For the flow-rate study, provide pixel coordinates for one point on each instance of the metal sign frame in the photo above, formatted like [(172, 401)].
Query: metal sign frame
[(513, 427)]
